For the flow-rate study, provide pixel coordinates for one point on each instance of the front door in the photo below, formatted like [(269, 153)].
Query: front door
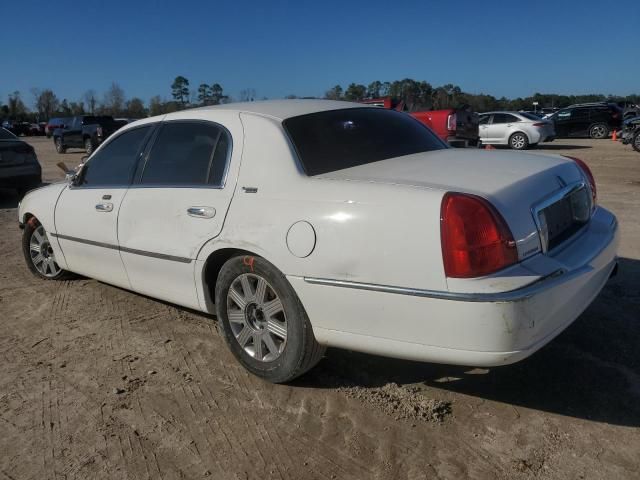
[(177, 204), (86, 214)]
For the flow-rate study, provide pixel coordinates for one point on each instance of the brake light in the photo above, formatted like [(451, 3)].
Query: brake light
[(452, 122), (540, 124), (475, 239), (587, 173)]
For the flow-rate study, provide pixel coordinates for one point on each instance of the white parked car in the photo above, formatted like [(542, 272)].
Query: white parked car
[(518, 130), (307, 223)]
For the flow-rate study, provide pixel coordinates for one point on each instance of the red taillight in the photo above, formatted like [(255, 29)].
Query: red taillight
[(452, 122), (540, 124), (587, 172), (476, 240)]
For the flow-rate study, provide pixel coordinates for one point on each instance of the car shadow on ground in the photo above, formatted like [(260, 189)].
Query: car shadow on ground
[(591, 371)]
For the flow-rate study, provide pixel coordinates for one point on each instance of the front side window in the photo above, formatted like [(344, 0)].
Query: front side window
[(338, 139), (113, 164), (188, 153)]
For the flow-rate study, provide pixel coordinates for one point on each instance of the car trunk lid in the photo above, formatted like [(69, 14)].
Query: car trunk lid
[(515, 183)]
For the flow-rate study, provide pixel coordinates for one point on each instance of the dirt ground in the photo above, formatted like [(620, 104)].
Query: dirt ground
[(99, 382)]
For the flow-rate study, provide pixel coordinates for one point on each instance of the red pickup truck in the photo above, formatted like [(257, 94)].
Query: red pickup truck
[(457, 127)]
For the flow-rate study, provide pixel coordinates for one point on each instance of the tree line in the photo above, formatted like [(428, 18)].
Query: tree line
[(416, 94), (113, 102), (421, 95)]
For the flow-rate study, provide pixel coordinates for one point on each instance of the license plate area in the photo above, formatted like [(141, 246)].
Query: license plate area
[(563, 215)]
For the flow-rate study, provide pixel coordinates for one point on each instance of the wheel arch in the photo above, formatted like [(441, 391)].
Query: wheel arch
[(515, 132), (211, 269), (26, 217)]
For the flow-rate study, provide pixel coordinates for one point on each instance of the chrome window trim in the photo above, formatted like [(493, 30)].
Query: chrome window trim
[(117, 134), (137, 182)]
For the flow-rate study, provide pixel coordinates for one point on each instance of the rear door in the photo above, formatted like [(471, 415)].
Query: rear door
[(86, 214), (178, 202)]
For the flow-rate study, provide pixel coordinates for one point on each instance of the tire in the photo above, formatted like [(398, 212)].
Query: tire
[(519, 141), (88, 146), (599, 131), (35, 244), (277, 347), (60, 148), (635, 143)]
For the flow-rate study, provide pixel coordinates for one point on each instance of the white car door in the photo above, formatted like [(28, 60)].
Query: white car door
[(484, 127), (86, 214), (178, 202), (499, 129)]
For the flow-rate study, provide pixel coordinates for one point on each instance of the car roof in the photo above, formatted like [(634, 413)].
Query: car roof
[(279, 109)]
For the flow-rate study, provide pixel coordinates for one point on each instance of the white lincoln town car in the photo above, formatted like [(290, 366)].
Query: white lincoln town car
[(304, 224)]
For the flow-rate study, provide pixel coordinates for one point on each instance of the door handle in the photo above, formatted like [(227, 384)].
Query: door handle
[(201, 212), (104, 207)]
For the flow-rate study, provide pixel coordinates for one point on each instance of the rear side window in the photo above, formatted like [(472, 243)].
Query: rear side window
[(504, 118), (114, 163), (188, 153), (338, 139), (529, 116)]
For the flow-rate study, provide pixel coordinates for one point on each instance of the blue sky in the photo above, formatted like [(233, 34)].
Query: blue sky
[(510, 48)]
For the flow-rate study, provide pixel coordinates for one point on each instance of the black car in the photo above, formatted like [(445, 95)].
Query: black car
[(631, 132), (84, 131), (19, 167), (595, 120)]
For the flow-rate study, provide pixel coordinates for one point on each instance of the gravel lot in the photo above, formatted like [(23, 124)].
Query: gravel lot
[(99, 382)]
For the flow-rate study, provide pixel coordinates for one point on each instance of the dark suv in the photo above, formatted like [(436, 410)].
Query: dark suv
[(85, 131), (595, 120)]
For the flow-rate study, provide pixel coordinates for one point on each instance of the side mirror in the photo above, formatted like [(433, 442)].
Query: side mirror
[(70, 175)]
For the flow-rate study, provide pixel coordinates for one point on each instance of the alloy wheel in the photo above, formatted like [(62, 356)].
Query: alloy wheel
[(257, 318), (518, 142), (598, 131), (41, 253)]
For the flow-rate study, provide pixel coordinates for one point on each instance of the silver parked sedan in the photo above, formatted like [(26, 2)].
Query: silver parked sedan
[(519, 130)]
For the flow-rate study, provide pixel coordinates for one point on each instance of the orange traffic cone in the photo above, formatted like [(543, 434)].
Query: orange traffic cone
[(489, 147), (614, 137)]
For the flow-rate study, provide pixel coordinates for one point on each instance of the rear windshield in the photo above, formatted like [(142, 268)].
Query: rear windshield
[(6, 134), (530, 116), (338, 139)]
